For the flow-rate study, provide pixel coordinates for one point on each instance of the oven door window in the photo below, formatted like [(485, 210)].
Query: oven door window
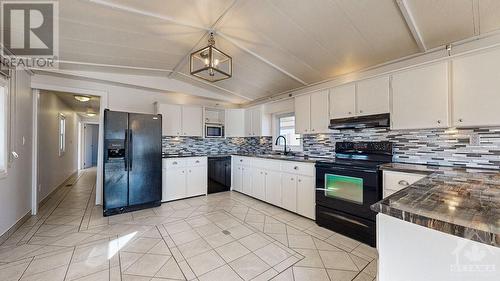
[(344, 188), (214, 131)]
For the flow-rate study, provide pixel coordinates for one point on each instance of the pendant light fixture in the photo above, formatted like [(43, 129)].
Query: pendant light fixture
[(210, 63)]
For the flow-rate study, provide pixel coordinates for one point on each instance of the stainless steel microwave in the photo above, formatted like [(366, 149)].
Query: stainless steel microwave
[(214, 131)]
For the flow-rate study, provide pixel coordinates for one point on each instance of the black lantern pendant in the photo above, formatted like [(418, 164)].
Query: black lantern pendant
[(210, 63)]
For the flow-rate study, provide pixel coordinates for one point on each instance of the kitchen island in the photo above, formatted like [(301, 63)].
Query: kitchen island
[(444, 227)]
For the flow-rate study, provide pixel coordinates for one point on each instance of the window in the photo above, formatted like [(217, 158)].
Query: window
[(62, 134), (3, 128), (284, 125)]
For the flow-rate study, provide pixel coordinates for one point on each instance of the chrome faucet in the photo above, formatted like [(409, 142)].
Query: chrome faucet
[(285, 151)]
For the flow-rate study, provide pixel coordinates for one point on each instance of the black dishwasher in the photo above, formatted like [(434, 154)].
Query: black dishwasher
[(219, 174)]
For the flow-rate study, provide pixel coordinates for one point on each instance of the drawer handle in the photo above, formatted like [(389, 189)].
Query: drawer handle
[(241, 160), (296, 168), (403, 182), (174, 163), (197, 161), (291, 179)]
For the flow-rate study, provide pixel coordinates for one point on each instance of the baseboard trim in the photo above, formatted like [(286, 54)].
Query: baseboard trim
[(14, 228), (63, 184)]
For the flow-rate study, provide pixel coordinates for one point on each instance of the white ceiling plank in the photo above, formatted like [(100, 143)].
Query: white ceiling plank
[(476, 17), (148, 14), (403, 6), (264, 60)]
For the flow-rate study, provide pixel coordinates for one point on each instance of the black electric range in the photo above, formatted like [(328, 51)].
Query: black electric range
[(348, 185)]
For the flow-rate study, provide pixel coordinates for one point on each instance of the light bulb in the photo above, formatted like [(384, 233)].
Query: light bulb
[(216, 62), (207, 62)]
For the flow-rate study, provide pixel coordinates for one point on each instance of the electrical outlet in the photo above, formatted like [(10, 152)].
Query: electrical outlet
[(475, 139)]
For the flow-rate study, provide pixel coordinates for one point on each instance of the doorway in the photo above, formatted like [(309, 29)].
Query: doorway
[(90, 145)]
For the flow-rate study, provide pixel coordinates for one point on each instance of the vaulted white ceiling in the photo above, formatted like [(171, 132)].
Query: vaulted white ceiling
[(276, 45)]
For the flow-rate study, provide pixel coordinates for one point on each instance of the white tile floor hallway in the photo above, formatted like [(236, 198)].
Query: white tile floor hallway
[(226, 236)]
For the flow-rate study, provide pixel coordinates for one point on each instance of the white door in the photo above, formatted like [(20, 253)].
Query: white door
[(306, 194), (175, 184), (192, 121), (237, 178), (343, 101), (372, 96), (302, 114), (476, 90), (289, 192), (273, 188), (248, 122), (196, 180), (259, 184), (420, 97), (247, 180), (256, 122), (87, 146), (319, 112), (171, 119), (235, 123)]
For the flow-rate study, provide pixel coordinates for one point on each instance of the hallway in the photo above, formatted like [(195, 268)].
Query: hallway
[(225, 236)]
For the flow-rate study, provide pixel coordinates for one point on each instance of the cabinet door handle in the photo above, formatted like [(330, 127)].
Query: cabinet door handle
[(183, 172), (296, 168), (266, 174), (241, 160), (190, 171), (403, 182), (300, 180), (174, 163), (361, 111), (312, 130), (439, 121), (291, 179), (197, 161), (460, 120), (350, 113)]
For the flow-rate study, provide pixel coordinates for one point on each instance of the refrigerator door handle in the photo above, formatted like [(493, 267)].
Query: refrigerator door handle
[(126, 150), (130, 150)]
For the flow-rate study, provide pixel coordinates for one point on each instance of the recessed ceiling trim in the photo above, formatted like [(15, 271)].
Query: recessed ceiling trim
[(266, 61), (412, 25), (111, 66)]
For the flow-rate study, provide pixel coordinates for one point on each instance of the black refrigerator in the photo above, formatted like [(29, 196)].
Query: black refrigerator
[(132, 162)]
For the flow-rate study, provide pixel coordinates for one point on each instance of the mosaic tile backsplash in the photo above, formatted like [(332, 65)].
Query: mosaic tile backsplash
[(199, 145), (448, 147)]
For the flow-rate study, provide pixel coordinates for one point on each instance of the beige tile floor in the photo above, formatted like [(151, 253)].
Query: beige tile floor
[(225, 236)]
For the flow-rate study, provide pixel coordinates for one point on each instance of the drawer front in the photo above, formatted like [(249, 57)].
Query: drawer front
[(266, 164), (242, 160), (395, 181), (196, 161), (305, 169), (172, 163)]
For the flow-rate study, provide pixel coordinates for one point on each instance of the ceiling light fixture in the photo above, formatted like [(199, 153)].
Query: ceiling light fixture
[(210, 63), (82, 98)]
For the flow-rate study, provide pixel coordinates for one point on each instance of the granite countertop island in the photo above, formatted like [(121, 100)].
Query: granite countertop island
[(457, 201)]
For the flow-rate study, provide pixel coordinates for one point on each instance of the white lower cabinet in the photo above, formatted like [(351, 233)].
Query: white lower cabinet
[(247, 180), (289, 189), (184, 177), (273, 188), (286, 184), (237, 178), (306, 200)]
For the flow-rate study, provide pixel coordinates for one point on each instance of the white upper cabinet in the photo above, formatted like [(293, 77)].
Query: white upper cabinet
[(343, 101), (319, 112), (192, 121), (476, 90), (303, 114), (178, 120), (235, 123), (420, 97), (372, 96), (171, 119), (257, 123), (311, 113)]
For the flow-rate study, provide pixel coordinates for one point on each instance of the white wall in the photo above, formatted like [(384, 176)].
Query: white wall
[(52, 168), (15, 189)]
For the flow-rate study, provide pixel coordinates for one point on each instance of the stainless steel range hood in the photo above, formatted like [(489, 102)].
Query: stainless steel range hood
[(360, 122)]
